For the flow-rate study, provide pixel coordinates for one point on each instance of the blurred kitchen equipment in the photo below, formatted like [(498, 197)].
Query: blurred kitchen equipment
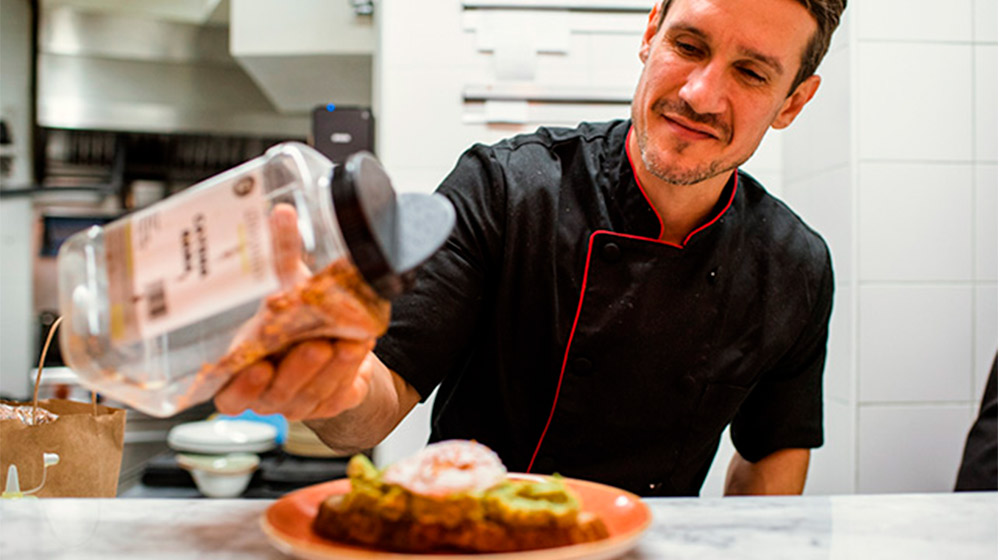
[(223, 436), (220, 476), (57, 228), (6, 150), (338, 132), (12, 489), (303, 442), (152, 297), (60, 383)]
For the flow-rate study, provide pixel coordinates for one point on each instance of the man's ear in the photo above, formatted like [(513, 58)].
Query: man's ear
[(652, 26), (795, 102)]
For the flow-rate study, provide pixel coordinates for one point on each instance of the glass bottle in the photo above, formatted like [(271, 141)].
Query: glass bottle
[(152, 298)]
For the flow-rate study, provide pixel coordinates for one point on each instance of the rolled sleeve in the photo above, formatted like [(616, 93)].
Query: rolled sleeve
[(785, 408)]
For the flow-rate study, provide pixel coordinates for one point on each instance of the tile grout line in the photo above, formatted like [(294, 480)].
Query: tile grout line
[(855, 185), (974, 215)]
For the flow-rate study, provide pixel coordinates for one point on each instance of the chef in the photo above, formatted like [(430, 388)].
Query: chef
[(613, 295)]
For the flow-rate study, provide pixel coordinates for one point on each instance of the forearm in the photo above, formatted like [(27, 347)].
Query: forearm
[(388, 401), (781, 472)]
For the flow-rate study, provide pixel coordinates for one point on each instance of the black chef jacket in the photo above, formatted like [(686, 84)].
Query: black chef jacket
[(566, 337)]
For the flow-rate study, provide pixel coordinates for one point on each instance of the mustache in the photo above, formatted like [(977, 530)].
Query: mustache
[(681, 108)]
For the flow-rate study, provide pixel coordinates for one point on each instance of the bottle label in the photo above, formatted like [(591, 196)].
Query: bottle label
[(187, 259)]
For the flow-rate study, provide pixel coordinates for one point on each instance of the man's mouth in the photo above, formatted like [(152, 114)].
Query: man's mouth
[(689, 130)]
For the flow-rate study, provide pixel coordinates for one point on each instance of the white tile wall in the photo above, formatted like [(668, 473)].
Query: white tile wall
[(915, 343), (986, 222), (986, 102), (986, 337), (831, 467), (907, 20), (418, 179), (844, 34), (765, 164), (768, 153), (910, 448), (985, 26), (819, 139), (824, 202), (914, 221), (838, 382), (913, 101)]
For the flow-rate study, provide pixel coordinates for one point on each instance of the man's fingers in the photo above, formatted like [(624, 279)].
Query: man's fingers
[(299, 366), (338, 374), (349, 396), (287, 245), (316, 379), (244, 388)]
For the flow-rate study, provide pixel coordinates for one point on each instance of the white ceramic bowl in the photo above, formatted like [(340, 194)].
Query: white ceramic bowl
[(220, 476)]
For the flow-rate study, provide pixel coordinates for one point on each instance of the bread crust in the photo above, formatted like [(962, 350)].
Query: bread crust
[(367, 528)]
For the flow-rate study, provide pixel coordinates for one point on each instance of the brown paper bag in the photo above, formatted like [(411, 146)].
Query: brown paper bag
[(89, 445)]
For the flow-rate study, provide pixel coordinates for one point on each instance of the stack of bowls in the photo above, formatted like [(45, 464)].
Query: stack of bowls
[(221, 454)]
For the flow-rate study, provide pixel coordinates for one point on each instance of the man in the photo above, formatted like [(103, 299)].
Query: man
[(978, 469), (614, 295)]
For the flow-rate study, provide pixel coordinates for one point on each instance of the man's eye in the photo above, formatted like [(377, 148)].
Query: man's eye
[(687, 49), (752, 76)]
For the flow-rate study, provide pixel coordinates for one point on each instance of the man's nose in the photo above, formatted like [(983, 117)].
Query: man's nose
[(704, 90)]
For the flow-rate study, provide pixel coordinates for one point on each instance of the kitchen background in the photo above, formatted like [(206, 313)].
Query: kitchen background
[(894, 162)]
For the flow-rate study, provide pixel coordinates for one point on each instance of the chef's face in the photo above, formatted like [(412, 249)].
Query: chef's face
[(716, 74)]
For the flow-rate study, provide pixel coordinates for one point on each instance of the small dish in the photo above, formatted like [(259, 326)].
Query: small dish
[(223, 436), (220, 476)]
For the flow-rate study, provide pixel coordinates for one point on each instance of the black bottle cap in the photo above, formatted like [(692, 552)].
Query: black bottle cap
[(388, 236)]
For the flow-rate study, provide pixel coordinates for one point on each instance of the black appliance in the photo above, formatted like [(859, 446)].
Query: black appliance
[(338, 132)]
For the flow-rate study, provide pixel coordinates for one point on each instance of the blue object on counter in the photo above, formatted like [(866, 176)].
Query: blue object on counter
[(276, 420)]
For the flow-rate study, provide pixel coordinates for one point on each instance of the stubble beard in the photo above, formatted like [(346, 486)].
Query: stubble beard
[(658, 163)]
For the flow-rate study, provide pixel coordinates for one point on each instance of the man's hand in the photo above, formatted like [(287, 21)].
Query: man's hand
[(781, 472), (316, 379)]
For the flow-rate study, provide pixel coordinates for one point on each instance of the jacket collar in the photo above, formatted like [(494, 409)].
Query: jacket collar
[(631, 211)]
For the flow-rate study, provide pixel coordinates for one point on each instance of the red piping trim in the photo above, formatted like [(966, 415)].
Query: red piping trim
[(628, 152), (562, 370), (732, 196), (572, 332), (586, 272)]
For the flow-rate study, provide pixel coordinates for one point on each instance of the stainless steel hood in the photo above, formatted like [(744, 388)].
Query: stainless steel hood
[(114, 70), (305, 53)]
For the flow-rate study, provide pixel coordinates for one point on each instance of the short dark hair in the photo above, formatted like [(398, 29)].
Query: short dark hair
[(826, 13)]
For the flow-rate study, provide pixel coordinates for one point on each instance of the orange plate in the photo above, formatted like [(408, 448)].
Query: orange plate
[(288, 524)]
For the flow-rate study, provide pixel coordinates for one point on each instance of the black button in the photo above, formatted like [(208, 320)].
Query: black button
[(544, 465), (611, 252), (582, 366)]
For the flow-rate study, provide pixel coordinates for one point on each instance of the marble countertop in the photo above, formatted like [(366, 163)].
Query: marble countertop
[(910, 526)]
